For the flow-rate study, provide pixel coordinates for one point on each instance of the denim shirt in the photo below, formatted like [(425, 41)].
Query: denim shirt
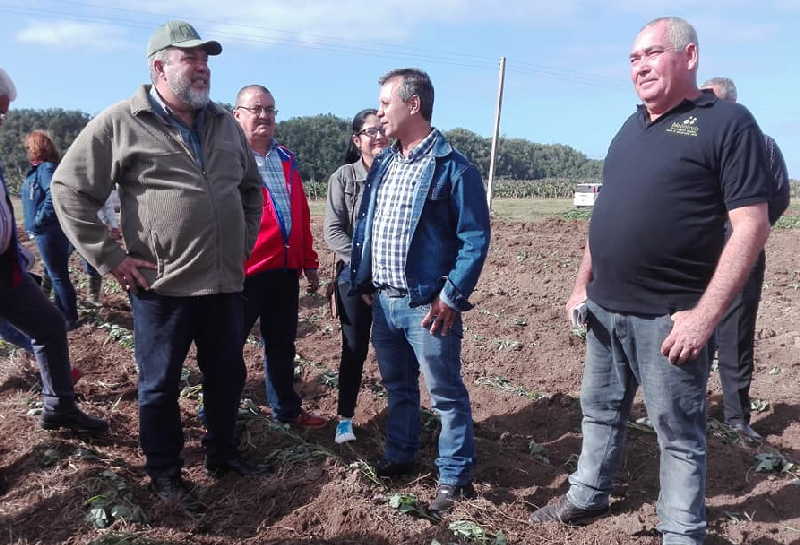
[(450, 222), (37, 202)]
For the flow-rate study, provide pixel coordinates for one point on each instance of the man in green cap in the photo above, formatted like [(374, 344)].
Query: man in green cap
[(190, 198)]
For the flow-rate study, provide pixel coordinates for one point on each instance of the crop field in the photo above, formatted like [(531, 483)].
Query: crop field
[(522, 365)]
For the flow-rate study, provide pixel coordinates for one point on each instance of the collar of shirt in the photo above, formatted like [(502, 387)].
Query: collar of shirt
[(271, 148), (704, 99), (420, 150), (162, 110)]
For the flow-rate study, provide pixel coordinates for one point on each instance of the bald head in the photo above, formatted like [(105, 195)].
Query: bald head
[(7, 88), (724, 88), (7, 93)]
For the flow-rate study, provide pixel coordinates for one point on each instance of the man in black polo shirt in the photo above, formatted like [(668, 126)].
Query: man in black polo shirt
[(659, 275)]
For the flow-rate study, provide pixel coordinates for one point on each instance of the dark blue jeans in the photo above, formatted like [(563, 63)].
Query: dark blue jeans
[(622, 353), (355, 317), (404, 348), (273, 297), (164, 329), (28, 310), (55, 250)]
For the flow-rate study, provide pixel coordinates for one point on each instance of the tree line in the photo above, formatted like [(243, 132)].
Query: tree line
[(319, 142)]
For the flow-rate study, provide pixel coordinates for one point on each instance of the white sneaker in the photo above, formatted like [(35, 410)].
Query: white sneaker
[(344, 431)]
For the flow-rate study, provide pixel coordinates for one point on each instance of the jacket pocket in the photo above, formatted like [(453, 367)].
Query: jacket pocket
[(440, 189)]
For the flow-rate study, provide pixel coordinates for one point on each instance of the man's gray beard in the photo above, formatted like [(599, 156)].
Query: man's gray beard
[(181, 87)]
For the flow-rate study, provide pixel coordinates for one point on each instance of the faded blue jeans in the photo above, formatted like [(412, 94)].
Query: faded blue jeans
[(404, 348), (622, 353)]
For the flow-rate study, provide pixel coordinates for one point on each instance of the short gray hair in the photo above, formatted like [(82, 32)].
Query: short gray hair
[(679, 32), (161, 55), (7, 88), (415, 82), (724, 88), (238, 100)]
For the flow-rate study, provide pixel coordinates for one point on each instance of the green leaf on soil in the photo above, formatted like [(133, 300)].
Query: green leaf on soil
[(758, 405), (368, 471), (503, 384), (769, 462), (296, 454), (774, 371), (98, 517), (329, 378), (475, 533), (409, 505), (721, 431)]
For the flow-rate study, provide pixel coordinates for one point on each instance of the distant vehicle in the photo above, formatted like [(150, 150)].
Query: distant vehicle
[(586, 194)]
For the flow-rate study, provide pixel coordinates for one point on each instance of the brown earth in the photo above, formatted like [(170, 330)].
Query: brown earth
[(523, 368)]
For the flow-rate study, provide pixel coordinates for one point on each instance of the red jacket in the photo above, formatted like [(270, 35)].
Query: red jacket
[(270, 252)]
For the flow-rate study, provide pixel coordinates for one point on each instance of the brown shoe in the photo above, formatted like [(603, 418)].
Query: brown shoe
[(563, 511), (309, 421)]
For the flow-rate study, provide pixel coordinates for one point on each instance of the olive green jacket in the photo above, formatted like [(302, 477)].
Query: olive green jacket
[(196, 224)]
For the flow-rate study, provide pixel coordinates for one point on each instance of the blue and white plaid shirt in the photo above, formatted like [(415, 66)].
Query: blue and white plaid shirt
[(391, 226), (271, 169)]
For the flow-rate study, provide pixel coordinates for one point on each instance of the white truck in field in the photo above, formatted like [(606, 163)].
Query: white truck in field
[(586, 194)]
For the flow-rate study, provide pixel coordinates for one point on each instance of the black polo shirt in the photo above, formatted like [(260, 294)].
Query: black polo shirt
[(657, 228)]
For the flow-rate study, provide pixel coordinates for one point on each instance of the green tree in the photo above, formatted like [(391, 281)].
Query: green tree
[(319, 141), (63, 127)]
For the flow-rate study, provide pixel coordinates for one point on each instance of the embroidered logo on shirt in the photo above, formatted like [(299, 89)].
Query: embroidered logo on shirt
[(687, 127)]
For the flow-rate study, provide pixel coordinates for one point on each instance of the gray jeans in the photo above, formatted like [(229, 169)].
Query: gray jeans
[(622, 353)]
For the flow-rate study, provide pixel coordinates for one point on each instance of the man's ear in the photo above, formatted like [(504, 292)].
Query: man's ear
[(414, 104), (692, 56), (158, 66)]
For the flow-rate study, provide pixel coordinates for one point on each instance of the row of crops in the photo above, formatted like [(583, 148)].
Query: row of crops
[(547, 188)]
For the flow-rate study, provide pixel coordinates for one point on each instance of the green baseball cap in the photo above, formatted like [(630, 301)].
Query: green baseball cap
[(180, 34)]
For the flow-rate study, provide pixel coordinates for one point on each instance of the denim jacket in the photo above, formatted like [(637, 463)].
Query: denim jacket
[(37, 202), (450, 222)]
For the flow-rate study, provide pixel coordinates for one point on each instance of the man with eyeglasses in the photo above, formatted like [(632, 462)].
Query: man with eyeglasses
[(658, 275), (283, 251), (190, 205)]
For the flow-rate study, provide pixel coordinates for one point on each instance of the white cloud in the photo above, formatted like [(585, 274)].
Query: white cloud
[(351, 21), (73, 34)]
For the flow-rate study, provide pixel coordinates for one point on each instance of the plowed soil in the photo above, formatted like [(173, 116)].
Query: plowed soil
[(523, 367)]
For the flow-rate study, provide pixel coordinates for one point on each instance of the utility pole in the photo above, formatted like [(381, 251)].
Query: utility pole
[(493, 157)]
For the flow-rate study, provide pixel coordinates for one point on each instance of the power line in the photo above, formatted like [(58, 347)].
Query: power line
[(324, 43)]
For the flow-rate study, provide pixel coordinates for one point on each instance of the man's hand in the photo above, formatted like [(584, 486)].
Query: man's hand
[(690, 333), (368, 298), (577, 297), (128, 275), (312, 275), (439, 317), (115, 233)]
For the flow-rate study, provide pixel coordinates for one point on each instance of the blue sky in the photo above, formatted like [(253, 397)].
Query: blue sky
[(566, 81)]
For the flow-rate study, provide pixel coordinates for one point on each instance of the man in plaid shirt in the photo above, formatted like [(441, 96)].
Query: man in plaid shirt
[(419, 245)]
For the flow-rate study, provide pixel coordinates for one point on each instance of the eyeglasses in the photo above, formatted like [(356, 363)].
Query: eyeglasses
[(258, 110), (372, 132)]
